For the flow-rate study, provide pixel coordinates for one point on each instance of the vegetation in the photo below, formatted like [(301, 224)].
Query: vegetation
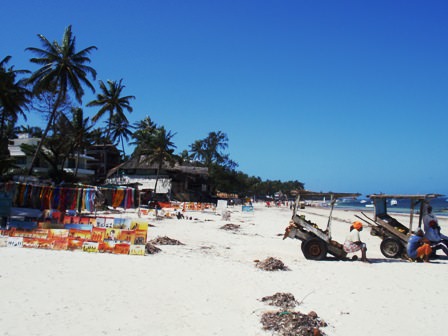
[(110, 100), (63, 74), (63, 70), (14, 98)]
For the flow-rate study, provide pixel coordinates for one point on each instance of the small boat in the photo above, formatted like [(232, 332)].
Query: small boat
[(393, 202)]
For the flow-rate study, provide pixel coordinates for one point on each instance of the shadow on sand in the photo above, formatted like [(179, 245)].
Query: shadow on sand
[(436, 260)]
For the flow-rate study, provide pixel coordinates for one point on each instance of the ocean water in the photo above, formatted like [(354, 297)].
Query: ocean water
[(439, 205)]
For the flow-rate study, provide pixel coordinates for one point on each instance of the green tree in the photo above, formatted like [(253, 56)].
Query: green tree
[(98, 136), (63, 69), (161, 150), (14, 96), (209, 150), (56, 150), (14, 99), (79, 130), (144, 130), (120, 130), (110, 100), (158, 148), (184, 157)]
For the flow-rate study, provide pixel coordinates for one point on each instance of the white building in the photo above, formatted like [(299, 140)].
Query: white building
[(23, 161)]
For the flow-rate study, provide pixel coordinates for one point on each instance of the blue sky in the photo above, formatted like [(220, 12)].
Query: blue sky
[(348, 96)]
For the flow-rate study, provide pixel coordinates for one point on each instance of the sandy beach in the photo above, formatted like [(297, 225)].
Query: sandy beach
[(210, 285)]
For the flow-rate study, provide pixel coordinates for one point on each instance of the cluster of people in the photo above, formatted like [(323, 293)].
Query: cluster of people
[(422, 244), (427, 240)]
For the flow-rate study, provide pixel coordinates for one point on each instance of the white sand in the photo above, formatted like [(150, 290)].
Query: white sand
[(210, 285)]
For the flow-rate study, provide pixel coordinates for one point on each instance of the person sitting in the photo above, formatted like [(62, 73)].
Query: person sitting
[(430, 221), (353, 241), (436, 240), (418, 248)]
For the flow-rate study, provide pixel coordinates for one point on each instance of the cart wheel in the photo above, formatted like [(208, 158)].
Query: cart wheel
[(314, 249), (391, 248)]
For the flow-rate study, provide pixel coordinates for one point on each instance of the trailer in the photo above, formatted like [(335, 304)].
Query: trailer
[(393, 233), (316, 241)]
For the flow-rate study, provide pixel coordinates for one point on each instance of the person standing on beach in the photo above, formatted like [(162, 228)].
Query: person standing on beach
[(353, 241)]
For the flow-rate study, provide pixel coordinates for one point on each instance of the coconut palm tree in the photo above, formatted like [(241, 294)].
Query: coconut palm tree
[(197, 151), (110, 100), (208, 150), (14, 99), (14, 96), (63, 70), (120, 130), (98, 136), (158, 149), (80, 131), (145, 125)]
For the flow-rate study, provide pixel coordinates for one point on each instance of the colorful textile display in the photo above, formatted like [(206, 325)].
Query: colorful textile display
[(81, 199)]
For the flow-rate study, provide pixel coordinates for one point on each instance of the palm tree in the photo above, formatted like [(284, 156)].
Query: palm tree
[(98, 136), (63, 70), (208, 150), (197, 150), (183, 157), (159, 149), (14, 96), (14, 99), (145, 125), (144, 130), (111, 101), (80, 130), (120, 130)]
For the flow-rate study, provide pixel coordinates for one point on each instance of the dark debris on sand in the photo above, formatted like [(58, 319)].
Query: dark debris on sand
[(165, 241), (283, 300), (151, 249), (272, 264), (292, 323), (230, 227)]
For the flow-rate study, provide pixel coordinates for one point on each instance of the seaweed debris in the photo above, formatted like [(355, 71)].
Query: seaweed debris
[(292, 323), (151, 248), (271, 264), (283, 300), (165, 241), (230, 227)]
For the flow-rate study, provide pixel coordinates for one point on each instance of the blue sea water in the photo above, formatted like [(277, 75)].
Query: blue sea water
[(439, 205)]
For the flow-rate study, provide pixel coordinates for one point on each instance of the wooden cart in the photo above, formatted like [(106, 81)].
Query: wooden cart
[(393, 233), (316, 242)]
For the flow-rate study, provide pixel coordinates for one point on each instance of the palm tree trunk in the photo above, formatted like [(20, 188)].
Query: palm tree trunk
[(77, 163), (44, 135), (122, 146), (155, 186), (2, 124)]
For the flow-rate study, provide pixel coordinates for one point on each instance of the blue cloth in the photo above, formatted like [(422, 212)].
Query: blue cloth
[(413, 245), (433, 235)]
